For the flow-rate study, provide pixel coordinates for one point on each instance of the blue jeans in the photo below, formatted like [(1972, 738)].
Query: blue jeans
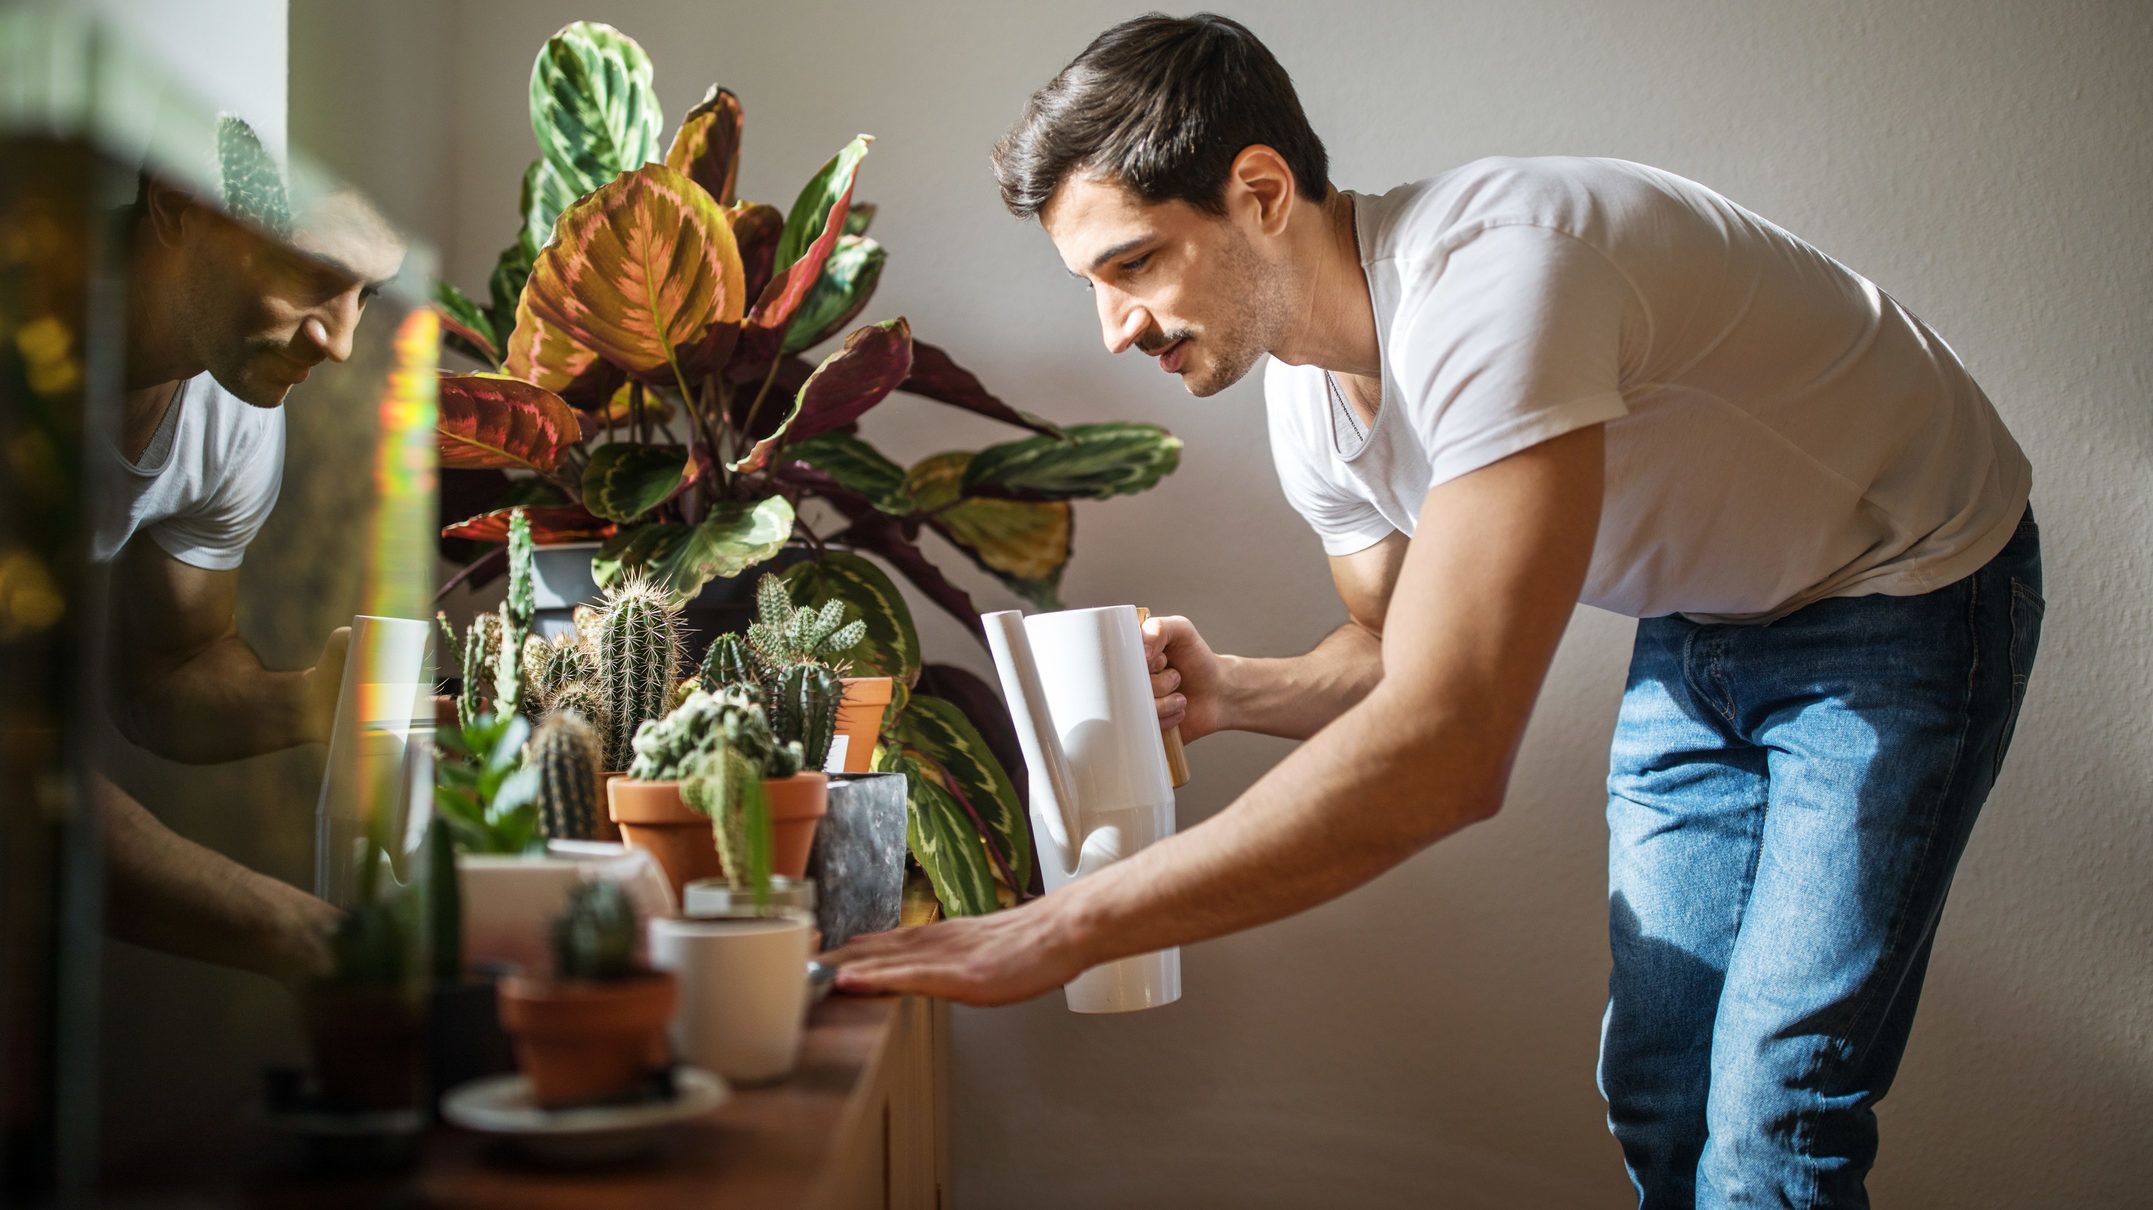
[(1786, 805)]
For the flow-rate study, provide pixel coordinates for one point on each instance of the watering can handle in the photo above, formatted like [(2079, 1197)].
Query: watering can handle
[(1177, 756)]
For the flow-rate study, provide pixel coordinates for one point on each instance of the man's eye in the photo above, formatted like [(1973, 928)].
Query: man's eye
[(1132, 266)]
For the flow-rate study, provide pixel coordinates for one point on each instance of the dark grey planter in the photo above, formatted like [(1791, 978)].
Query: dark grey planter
[(858, 862)]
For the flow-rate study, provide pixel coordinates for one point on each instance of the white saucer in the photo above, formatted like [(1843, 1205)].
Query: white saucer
[(502, 1105)]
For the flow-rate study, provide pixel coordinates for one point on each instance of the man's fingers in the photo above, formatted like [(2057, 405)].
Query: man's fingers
[(1163, 683), (1171, 710)]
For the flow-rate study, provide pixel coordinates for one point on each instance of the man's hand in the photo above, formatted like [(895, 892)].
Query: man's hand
[(322, 684), (1188, 679), (1001, 958)]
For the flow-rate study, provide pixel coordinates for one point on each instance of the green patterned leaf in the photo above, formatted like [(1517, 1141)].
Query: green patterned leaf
[(943, 839), (462, 319), (892, 646), (510, 270), (857, 466), (1087, 461), (634, 549), (812, 229), (934, 731), (859, 375), (858, 216), (848, 280), (735, 536), (594, 113), (626, 479), (1023, 543)]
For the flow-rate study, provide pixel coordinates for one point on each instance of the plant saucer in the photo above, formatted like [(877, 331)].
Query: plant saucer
[(589, 1134)]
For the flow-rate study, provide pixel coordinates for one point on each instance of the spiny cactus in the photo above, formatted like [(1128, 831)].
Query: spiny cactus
[(481, 654), (550, 666), (586, 699), (729, 662), (516, 611), (594, 936), (564, 750), (803, 708), (638, 654), (669, 749), (727, 786), (783, 634)]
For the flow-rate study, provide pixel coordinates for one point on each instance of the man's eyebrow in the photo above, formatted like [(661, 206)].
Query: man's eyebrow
[(345, 271), (1119, 250)]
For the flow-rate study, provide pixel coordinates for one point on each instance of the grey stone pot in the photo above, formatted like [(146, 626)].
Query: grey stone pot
[(858, 862)]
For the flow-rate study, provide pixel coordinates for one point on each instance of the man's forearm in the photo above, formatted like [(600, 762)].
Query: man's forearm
[(1357, 799), (1297, 696), (169, 893), (220, 704)]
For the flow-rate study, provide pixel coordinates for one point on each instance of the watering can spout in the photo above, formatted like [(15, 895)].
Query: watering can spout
[(1011, 646)]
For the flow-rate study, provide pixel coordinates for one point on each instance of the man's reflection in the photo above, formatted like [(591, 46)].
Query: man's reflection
[(222, 322)]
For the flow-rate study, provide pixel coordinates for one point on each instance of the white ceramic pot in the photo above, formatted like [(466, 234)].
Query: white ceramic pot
[(743, 990), (509, 903)]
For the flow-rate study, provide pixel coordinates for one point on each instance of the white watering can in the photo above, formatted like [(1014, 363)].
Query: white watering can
[(1080, 694)]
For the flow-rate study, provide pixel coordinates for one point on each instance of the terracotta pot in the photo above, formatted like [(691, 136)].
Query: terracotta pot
[(859, 720), (366, 1044), (580, 1041), (608, 831), (653, 818), (797, 805)]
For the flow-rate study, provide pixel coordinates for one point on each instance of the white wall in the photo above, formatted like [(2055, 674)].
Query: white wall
[(229, 53), (1429, 1039)]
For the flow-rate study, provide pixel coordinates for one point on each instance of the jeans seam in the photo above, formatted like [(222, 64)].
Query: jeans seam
[(1895, 936)]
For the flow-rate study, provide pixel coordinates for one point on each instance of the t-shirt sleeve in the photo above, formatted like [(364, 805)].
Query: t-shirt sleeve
[(216, 537), (1518, 341), (1344, 521)]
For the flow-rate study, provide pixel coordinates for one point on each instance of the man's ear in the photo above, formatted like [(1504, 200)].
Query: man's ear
[(1262, 181), (167, 211)]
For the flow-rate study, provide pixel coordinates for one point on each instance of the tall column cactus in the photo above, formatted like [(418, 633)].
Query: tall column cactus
[(564, 750), (638, 655), (481, 654), (803, 707), (517, 609)]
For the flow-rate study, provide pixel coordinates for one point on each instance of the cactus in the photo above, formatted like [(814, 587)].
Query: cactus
[(638, 654), (670, 748), (564, 750), (516, 610), (481, 653), (548, 667), (585, 699), (783, 634), (726, 785), (729, 662), (594, 937), (803, 708)]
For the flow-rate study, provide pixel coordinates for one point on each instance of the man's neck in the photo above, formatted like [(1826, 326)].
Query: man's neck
[(157, 361), (1338, 332)]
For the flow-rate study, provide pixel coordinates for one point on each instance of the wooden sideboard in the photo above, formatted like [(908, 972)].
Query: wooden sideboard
[(863, 1123)]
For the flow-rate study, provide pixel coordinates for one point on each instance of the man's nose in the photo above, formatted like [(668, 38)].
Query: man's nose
[(1119, 322), (332, 328)]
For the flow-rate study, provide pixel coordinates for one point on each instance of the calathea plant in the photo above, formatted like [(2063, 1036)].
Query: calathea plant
[(645, 381)]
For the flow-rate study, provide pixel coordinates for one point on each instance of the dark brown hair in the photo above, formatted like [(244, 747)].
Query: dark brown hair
[(1161, 105)]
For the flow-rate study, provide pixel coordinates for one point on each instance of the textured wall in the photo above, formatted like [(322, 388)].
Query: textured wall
[(1429, 1039)]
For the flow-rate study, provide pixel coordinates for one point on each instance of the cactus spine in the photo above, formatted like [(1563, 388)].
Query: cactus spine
[(565, 752), (729, 662), (551, 667), (638, 651), (803, 707), (516, 611), (585, 698)]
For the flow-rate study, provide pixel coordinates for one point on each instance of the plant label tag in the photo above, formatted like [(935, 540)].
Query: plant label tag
[(836, 761)]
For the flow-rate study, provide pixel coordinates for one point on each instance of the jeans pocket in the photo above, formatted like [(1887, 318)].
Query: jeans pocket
[(2027, 608)]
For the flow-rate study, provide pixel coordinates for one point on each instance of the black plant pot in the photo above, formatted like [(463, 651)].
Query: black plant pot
[(464, 1039)]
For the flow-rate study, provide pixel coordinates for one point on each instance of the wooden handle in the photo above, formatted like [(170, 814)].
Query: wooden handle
[(1177, 756)]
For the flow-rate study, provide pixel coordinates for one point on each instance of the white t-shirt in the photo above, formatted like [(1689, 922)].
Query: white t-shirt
[(204, 485), (1778, 430)]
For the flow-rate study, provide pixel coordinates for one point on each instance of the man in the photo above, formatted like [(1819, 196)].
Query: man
[(1496, 393), (223, 321)]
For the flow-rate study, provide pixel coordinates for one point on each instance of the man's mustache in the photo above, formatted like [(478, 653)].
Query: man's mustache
[(1154, 345)]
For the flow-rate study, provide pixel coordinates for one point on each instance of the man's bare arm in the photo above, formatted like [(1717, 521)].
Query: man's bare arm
[(169, 893), (1297, 696), (1481, 603), (187, 686)]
